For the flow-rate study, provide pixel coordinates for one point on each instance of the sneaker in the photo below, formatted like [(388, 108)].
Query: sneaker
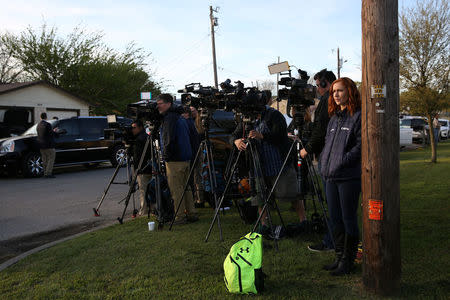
[(319, 248)]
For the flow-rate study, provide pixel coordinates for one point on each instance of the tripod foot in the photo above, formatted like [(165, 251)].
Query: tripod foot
[(120, 220), (96, 214)]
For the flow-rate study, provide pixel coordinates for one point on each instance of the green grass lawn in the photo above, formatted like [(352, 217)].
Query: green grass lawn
[(128, 261)]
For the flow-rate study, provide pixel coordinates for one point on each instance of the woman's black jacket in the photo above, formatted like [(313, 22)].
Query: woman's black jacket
[(341, 156)]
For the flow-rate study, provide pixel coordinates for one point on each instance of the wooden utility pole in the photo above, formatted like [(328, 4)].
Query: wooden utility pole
[(380, 146), (338, 64), (213, 41), (278, 87)]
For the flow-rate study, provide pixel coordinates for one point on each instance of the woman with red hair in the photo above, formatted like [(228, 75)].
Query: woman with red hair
[(341, 168)]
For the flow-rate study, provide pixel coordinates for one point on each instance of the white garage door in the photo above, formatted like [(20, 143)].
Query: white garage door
[(61, 114)]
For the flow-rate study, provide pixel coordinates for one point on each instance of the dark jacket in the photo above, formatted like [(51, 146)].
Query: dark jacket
[(46, 136), (319, 128), (278, 131), (174, 137), (194, 137), (341, 156), (138, 149)]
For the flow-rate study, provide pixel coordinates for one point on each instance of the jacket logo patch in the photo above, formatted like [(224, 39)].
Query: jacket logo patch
[(242, 250), (345, 128)]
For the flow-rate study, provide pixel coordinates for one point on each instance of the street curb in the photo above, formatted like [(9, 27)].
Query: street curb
[(19, 257)]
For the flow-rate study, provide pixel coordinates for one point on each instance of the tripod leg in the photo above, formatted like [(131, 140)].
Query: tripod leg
[(318, 192), (274, 186), (213, 180), (133, 182), (186, 185), (96, 213), (129, 181), (216, 214)]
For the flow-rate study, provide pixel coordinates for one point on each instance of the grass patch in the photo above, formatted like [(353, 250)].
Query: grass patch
[(127, 261)]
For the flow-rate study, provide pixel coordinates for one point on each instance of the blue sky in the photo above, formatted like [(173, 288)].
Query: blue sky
[(250, 36)]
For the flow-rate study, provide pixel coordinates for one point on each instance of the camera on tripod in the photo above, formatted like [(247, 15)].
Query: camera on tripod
[(118, 130), (236, 98)]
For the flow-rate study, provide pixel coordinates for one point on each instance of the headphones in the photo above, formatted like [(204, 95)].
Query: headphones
[(323, 83)]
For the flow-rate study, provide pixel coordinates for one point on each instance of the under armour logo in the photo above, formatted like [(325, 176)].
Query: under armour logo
[(248, 250)]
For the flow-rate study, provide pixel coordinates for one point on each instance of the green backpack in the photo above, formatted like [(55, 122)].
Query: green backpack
[(242, 266)]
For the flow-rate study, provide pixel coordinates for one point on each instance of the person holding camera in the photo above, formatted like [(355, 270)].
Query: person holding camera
[(341, 168), (145, 173), (272, 143), (177, 153), (316, 141)]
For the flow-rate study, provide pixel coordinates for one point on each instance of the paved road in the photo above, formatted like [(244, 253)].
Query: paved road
[(29, 206)]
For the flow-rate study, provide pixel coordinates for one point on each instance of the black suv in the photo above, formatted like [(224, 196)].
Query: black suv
[(80, 142)]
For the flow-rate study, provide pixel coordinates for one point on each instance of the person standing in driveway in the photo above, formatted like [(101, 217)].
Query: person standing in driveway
[(46, 141)]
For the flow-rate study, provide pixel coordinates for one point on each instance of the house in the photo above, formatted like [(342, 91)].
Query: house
[(21, 104)]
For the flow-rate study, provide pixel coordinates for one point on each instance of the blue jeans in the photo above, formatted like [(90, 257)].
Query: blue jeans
[(436, 135), (343, 199)]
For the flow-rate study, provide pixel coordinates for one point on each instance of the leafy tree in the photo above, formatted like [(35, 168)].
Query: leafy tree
[(82, 64), (425, 60)]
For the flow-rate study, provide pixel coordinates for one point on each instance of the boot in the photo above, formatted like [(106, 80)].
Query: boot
[(345, 266), (339, 236)]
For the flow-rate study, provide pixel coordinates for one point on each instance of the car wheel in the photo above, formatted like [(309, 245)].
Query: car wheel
[(32, 165), (119, 156)]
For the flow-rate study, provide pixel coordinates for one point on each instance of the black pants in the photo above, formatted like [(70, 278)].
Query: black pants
[(343, 199)]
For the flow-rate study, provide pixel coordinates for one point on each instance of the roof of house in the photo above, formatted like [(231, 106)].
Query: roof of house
[(10, 87)]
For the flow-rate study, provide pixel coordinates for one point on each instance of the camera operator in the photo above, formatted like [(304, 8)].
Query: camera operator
[(196, 184), (144, 175), (316, 142), (177, 153), (270, 134)]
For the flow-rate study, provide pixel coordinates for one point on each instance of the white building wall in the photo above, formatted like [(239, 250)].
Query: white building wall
[(42, 97)]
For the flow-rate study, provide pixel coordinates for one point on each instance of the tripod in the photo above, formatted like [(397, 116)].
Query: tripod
[(256, 178), (111, 181), (149, 142), (205, 147)]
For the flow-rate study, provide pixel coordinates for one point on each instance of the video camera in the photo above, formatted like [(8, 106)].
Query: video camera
[(145, 111), (297, 92), (230, 97)]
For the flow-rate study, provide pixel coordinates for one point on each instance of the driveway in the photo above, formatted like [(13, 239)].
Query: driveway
[(31, 206)]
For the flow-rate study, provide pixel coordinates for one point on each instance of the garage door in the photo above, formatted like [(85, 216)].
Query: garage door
[(61, 114)]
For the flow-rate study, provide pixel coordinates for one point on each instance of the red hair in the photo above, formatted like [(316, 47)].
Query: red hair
[(354, 98)]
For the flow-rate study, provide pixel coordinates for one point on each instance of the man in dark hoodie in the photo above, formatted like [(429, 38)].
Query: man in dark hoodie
[(316, 141), (177, 153), (46, 141)]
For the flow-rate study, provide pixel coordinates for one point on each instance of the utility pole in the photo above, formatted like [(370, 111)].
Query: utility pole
[(213, 41), (278, 86), (338, 64), (380, 146)]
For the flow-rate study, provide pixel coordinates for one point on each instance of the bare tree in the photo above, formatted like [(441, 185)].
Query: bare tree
[(267, 85), (10, 69), (425, 60)]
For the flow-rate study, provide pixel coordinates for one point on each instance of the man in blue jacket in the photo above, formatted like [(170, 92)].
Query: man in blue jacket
[(177, 153)]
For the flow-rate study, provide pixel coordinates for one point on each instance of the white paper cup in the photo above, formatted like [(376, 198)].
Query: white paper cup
[(151, 226)]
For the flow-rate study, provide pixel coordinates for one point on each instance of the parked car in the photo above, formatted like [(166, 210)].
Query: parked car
[(445, 124), (80, 142), (420, 128)]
